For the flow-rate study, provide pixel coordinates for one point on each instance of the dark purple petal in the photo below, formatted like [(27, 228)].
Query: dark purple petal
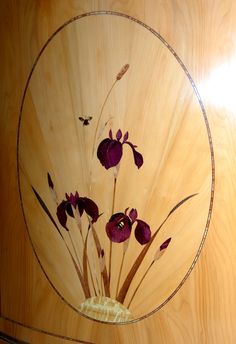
[(110, 134), (165, 244), (50, 183), (109, 153), (61, 214), (138, 158), (142, 232), (133, 214), (119, 135), (73, 199), (118, 228), (89, 207), (69, 209), (80, 205), (126, 136)]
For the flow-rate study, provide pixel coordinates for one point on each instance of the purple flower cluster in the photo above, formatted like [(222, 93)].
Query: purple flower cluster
[(82, 203), (110, 150), (119, 227), (120, 224)]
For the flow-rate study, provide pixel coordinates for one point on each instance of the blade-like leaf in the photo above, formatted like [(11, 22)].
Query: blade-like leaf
[(83, 284), (180, 203), (46, 210), (125, 287), (50, 182), (85, 262)]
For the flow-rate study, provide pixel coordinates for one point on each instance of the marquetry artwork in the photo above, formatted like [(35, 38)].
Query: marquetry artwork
[(76, 76), (115, 167)]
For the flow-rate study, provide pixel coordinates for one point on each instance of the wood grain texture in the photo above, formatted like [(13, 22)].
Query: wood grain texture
[(203, 35), (73, 75)]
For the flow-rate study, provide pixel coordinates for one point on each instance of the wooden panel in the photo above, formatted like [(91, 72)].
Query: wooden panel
[(60, 129), (202, 310)]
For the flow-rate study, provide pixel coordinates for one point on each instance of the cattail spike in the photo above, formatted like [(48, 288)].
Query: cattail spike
[(122, 71), (52, 190), (102, 261), (50, 183)]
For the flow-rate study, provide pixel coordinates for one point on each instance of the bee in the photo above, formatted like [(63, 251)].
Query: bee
[(121, 225), (85, 120)]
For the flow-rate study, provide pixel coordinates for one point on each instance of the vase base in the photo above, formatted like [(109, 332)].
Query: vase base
[(105, 309)]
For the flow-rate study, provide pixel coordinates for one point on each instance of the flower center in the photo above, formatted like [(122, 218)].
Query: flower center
[(121, 225)]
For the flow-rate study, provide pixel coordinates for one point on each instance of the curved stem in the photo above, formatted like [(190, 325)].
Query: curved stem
[(78, 222), (121, 267), (126, 284), (75, 250), (145, 274), (112, 211), (104, 273), (85, 263), (100, 115), (79, 273), (95, 270)]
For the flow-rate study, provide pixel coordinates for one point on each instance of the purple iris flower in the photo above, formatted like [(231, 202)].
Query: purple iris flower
[(83, 204), (110, 150), (120, 224), (119, 227)]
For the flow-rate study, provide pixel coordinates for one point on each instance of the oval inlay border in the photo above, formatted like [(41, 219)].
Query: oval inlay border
[(203, 111)]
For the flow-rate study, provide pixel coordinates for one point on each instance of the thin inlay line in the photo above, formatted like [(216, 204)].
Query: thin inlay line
[(94, 13), (32, 328)]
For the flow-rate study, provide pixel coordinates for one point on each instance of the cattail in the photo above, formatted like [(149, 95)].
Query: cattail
[(50, 183), (161, 249), (102, 260), (122, 71), (52, 190)]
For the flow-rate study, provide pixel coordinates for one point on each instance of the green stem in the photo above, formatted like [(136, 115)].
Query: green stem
[(95, 270), (126, 284), (102, 286), (100, 115), (121, 267), (78, 222), (47, 212), (104, 273), (145, 274), (75, 250), (112, 212), (85, 263), (79, 273), (89, 265)]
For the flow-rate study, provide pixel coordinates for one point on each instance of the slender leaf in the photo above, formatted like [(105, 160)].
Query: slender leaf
[(46, 210), (50, 182), (85, 262), (125, 287), (104, 272), (180, 203), (83, 284)]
